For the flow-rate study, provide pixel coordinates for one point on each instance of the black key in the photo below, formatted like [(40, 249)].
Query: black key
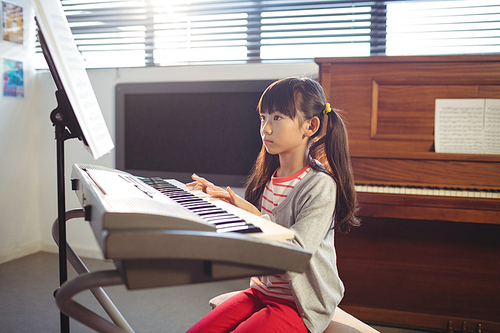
[(224, 221)]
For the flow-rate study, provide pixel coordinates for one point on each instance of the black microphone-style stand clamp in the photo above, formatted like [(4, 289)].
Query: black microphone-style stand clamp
[(64, 117)]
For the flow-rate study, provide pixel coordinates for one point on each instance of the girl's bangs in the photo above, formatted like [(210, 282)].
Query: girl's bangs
[(279, 97)]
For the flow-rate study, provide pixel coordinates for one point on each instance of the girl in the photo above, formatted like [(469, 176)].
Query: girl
[(302, 179)]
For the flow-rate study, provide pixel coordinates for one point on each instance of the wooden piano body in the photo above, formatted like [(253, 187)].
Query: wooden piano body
[(417, 260)]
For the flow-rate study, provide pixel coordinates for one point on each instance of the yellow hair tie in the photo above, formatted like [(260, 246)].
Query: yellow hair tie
[(327, 109)]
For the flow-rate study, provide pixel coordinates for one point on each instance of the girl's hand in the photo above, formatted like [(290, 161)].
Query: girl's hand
[(227, 195), (201, 183), (234, 199)]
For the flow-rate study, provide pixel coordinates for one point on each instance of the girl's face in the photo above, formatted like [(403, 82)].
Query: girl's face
[(282, 134)]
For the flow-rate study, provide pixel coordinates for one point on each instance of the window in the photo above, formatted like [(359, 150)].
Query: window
[(443, 27), (136, 33), (309, 33)]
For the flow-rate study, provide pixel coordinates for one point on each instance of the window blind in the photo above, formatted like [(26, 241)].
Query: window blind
[(136, 33), (443, 27)]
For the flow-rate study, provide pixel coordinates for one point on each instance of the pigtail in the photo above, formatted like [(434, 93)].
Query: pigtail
[(332, 150)]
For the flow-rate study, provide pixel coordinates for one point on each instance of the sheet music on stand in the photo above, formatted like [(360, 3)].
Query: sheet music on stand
[(73, 76)]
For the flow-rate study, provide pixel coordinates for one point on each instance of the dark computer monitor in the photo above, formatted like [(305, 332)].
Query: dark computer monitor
[(174, 129)]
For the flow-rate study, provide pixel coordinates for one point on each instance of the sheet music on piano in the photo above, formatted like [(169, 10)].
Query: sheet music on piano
[(467, 126), (492, 126)]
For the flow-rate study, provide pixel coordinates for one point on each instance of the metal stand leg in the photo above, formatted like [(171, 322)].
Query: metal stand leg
[(80, 268), (80, 313), (61, 209)]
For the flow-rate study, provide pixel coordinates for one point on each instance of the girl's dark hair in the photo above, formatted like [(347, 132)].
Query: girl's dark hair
[(305, 98)]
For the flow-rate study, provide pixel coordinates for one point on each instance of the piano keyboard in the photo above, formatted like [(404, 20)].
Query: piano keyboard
[(114, 200), (430, 191), (208, 211), (179, 237)]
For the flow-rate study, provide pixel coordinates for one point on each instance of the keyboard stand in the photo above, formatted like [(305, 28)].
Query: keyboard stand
[(93, 281)]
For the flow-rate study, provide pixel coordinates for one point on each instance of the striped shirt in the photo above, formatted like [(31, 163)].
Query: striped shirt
[(275, 192), (278, 188)]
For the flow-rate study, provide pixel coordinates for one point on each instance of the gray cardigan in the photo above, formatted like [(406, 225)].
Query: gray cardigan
[(308, 210)]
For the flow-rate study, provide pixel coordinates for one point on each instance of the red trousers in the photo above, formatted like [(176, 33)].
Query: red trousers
[(251, 311)]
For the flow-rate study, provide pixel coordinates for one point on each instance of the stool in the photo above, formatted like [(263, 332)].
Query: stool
[(342, 322)]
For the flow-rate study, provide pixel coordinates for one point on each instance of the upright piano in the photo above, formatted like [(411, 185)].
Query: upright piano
[(428, 249)]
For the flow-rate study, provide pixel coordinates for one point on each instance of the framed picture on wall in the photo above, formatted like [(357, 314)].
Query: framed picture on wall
[(12, 23), (13, 78)]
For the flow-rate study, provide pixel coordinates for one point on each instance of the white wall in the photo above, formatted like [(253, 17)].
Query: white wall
[(28, 195), (20, 151)]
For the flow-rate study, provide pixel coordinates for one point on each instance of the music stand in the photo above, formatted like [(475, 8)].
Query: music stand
[(66, 127), (69, 117)]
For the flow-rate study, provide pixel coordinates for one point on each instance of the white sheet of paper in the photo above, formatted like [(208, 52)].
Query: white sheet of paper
[(71, 69), (492, 126), (459, 126)]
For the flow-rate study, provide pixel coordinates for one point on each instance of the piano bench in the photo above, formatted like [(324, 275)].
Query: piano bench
[(342, 322)]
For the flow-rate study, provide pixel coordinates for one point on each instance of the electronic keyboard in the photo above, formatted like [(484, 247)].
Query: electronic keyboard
[(159, 233), (116, 200)]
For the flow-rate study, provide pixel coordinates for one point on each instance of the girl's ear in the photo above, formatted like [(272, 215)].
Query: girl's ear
[(311, 126)]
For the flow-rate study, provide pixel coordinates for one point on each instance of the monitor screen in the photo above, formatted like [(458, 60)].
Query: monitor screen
[(175, 129)]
